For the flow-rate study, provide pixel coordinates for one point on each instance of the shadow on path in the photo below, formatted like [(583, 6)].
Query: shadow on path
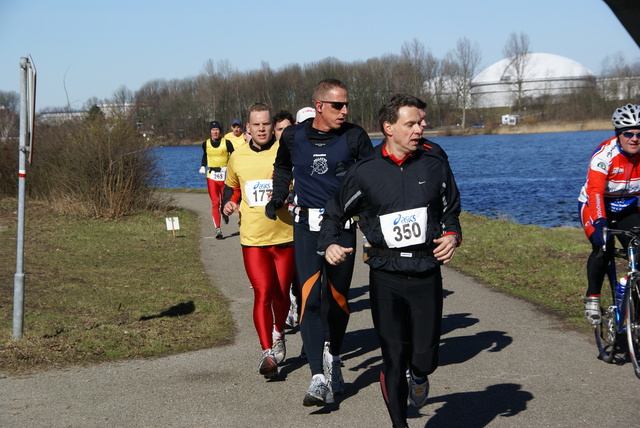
[(477, 409)]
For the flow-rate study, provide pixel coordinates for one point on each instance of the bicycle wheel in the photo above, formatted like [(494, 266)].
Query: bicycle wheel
[(605, 332), (633, 326)]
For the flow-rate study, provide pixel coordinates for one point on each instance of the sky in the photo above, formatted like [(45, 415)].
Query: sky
[(84, 49)]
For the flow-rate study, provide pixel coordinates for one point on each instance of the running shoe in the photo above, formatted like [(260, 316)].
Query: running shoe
[(333, 371), (225, 218), (290, 322), (318, 393), (279, 350), (592, 309), (218, 233), (268, 366), (418, 390), (292, 318)]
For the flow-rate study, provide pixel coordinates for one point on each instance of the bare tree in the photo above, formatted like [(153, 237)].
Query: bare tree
[(619, 78), (463, 62), (517, 51), (9, 111)]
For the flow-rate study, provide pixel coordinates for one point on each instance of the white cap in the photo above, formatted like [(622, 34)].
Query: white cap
[(304, 114)]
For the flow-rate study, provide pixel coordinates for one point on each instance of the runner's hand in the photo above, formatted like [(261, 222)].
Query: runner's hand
[(229, 208), (446, 248), (335, 254), (203, 170)]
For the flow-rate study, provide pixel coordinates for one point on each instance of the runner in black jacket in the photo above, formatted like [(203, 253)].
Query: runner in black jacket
[(408, 204)]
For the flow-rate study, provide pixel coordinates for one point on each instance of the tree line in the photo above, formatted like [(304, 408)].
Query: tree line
[(180, 109)]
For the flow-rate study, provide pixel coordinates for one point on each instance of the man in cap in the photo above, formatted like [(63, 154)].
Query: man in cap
[(215, 155), (236, 135), (305, 113)]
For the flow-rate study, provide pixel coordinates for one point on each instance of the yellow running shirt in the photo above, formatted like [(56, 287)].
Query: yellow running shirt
[(236, 141), (252, 172)]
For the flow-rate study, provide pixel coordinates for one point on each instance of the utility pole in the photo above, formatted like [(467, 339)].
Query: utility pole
[(27, 112)]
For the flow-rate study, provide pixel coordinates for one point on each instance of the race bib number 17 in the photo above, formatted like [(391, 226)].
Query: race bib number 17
[(404, 228)]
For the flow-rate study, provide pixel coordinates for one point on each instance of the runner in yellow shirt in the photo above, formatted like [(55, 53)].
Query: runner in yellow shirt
[(267, 247), (236, 136)]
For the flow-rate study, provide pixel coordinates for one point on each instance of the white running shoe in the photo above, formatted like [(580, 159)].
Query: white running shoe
[(279, 349), (332, 370), (218, 233), (292, 317), (418, 390), (317, 394)]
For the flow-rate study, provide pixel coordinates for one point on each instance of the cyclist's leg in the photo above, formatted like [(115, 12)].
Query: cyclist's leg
[(597, 265)]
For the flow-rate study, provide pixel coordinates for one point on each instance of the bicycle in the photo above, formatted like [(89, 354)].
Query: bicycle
[(621, 311)]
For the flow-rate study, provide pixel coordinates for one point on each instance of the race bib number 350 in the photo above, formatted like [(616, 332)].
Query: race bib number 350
[(256, 192), (404, 228)]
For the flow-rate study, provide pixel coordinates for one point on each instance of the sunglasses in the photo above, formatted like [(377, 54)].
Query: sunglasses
[(336, 105), (629, 134)]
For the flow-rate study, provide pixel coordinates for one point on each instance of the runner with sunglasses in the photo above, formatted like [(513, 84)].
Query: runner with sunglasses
[(316, 154), (610, 196)]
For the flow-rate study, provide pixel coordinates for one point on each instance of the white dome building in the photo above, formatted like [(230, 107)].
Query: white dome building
[(543, 74)]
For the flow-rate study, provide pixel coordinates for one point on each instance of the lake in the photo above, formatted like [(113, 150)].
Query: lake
[(525, 178)]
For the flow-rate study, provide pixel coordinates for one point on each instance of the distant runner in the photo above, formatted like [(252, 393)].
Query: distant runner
[(216, 152)]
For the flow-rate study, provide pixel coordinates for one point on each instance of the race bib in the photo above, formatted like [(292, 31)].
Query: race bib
[(315, 217), (256, 192), (404, 228), (219, 175)]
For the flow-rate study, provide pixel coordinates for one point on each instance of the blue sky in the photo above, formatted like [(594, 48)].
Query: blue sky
[(96, 47)]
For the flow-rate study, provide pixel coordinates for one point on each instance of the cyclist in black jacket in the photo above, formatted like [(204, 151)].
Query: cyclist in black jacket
[(408, 204), (316, 154)]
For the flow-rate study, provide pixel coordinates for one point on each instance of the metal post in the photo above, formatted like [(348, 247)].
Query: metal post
[(18, 285)]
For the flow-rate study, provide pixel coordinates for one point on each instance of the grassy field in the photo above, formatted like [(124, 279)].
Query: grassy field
[(543, 266), (100, 290)]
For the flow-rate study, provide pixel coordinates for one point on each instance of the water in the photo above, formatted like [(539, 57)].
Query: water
[(525, 178)]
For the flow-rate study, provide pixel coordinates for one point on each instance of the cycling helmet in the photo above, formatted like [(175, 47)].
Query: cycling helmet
[(626, 117)]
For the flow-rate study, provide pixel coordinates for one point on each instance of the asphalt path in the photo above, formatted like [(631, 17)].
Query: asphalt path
[(504, 363)]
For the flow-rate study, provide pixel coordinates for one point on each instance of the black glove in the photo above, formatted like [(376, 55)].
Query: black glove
[(597, 237), (272, 206)]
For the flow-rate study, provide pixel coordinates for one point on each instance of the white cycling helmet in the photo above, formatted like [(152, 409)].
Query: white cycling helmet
[(626, 116)]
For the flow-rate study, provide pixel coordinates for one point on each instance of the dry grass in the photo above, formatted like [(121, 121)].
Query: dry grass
[(543, 266), (99, 290)]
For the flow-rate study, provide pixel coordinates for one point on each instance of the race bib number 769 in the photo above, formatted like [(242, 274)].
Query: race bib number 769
[(404, 228)]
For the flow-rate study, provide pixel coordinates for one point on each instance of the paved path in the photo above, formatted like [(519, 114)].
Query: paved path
[(504, 364)]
